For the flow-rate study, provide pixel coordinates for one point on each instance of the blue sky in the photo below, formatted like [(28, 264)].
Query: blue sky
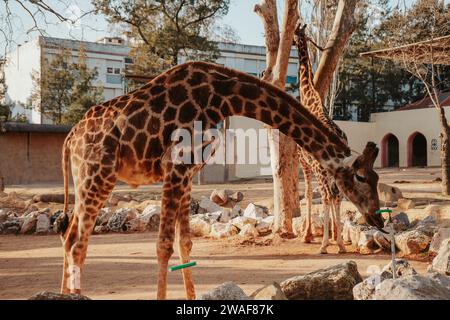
[(241, 18)]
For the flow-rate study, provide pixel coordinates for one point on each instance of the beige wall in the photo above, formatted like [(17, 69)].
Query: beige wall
[(405, 123), (31, 157)]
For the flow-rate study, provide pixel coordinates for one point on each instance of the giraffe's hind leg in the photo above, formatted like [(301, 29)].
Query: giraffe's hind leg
[(175, 186), (306, 230), (184, 239), (92, 187)]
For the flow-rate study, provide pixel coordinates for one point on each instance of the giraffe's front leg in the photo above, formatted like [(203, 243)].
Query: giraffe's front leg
[(326, 226), (174, 188), (338, 224)]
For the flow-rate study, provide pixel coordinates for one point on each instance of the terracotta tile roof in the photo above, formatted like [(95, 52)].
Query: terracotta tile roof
[(426, 102)]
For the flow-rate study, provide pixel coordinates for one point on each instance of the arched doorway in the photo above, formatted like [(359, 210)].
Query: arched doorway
[(417, 150), (389, 151)]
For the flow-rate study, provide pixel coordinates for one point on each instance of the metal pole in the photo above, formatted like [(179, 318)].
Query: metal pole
[(392, 246)]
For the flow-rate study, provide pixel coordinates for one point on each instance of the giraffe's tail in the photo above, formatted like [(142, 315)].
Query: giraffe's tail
[(62, 221)]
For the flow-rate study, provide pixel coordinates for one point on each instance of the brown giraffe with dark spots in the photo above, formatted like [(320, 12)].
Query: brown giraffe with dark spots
[(311, 99), (129, 139)]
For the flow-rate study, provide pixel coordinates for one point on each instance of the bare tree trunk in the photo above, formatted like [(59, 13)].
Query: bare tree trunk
[(283, 150), (343, 26), (445, 152)]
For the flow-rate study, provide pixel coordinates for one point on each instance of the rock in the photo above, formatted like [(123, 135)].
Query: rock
[(248, 231), (412, 241), (45, 295), (412, 287), (270, 292), (150, 217), (366, 242), (117, 221), (401, 222), (213, 217), (443, 280), (441, 263), (427, 226), (226, 291), (144, 204), (299, 225), (199, 227), (366, 289), (42, 224), (104, 216), (219, 197), (135, 225), (402, 268), (237, 196), (3, 215), (228, 214), (12, 225), (354, 231), (256, 212), (439, 236), (331, 283), (29, 224), (388, 195), (264, 227), (100, 229), (239, 222), (382, 240), (208, 205), (405, 204), (222, 230)]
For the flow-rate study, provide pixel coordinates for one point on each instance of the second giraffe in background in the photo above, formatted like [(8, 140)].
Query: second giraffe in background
[(331, 198)]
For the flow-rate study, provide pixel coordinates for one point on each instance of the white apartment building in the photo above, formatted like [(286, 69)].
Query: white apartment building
[(110, 57)]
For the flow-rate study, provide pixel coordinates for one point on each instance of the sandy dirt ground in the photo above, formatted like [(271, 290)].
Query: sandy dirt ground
[(123, 266)]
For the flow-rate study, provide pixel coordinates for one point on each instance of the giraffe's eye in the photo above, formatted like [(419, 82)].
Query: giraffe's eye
[(360, 178)]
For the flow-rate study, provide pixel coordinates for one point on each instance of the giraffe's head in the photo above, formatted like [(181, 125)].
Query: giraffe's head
[(358, 182)]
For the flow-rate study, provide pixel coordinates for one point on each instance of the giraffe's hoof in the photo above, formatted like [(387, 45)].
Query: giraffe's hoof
[(342, 250), (323, 250)]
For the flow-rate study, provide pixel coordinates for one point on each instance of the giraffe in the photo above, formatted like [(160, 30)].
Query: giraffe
[(129, 139), (311, 99)]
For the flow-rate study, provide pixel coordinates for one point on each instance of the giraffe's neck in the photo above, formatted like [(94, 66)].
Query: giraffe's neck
[(308, 94), (215, 92)]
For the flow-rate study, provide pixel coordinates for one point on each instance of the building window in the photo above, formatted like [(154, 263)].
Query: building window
[(109, 70), (128, 60), (117, 71), (113, 79)]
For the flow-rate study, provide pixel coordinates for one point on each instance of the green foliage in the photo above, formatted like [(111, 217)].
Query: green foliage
[(5, 112), (63, 89), (162, 30)]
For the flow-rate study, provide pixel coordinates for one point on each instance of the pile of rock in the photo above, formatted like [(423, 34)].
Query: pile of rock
[(343, 282), (220, 222), (34, 222), (410, 237), (407, 285), (335, 282)]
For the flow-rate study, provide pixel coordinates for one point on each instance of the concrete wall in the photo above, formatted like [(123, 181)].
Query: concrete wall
[(27, 158)]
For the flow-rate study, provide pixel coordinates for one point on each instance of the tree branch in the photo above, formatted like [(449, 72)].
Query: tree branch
[(343, 26)]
